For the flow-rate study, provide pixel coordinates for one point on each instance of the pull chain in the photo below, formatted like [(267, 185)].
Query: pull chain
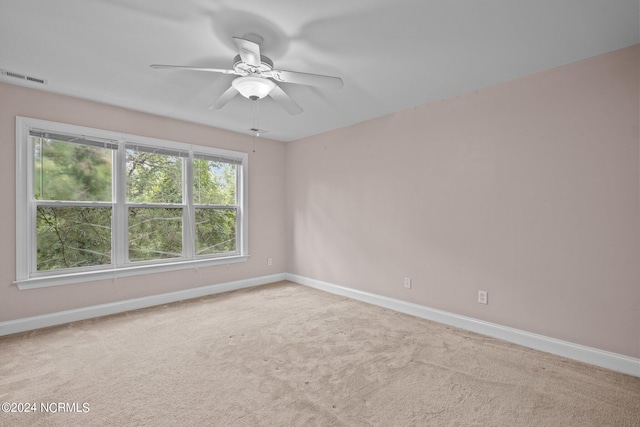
[(255, 129)]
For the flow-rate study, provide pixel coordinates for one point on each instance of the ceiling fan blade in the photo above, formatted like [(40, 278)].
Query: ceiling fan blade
[(285, 101), (249, 51), (184, 67), (306, 79), (223, 99)]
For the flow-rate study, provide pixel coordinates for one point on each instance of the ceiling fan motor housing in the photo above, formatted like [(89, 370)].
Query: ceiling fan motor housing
[(243, 68)]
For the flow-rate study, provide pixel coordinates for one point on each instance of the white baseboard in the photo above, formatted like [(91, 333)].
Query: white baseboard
[(605, 359), (594, 356), (61, 317)]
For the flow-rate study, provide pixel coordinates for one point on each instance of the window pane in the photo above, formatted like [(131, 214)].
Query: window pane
[(153, 178), (73, 237), (72, 172), (154, 233), (214, 183), (215, 231)]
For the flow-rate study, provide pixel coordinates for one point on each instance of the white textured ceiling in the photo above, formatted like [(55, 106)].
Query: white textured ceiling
[(391, 54)]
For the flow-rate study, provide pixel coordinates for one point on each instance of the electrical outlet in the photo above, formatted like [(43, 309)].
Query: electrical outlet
[(483, 297), (269, 261), (407, 282)]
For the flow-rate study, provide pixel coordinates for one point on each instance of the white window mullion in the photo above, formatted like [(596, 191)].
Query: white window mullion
[(119, 233), (188, 214)]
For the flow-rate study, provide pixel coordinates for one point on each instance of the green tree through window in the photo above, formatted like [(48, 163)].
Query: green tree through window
[(214, 189), (73, 236)]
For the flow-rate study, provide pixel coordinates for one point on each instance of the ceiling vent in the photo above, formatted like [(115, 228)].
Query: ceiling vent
[(23, 77)]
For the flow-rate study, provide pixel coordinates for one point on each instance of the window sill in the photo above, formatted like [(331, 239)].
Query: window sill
[(89, 276)]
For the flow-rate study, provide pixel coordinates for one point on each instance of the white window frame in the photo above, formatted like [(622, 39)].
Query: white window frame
[(28, 278)]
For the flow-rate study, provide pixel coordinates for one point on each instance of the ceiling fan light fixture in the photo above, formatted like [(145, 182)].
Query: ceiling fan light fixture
[(253, 88)]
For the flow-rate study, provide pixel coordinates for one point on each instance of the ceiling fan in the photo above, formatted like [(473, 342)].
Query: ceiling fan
[(258, 77)]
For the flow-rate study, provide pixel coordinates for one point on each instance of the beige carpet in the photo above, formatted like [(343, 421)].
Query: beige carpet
[(284, 354)]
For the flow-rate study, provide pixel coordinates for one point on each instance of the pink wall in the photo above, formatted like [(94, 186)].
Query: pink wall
[(529, 190), (266, 203)]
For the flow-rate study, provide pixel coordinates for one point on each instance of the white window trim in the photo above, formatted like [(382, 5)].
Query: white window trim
[(26, 239)]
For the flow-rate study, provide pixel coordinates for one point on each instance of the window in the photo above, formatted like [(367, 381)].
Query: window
[(93, 204)]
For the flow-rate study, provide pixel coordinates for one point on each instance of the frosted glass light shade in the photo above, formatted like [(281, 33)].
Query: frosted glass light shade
[(253, 87)]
